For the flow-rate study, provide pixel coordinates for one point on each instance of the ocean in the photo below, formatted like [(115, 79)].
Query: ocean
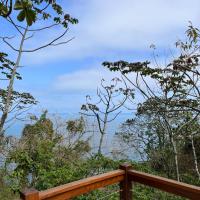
[(111, 144)]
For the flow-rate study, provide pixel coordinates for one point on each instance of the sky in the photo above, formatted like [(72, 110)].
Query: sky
[(109, 30)]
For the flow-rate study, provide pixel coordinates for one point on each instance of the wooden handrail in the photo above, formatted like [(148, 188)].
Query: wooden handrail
[(77, 188), (167, 185), (125, 176)]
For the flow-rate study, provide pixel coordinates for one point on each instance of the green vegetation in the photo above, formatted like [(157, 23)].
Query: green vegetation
[(164, 130)]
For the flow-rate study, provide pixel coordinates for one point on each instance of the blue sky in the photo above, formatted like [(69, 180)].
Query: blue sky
[(108, 30)]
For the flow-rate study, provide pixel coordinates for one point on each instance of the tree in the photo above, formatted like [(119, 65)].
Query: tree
[(44, 158), (178, 80), (23, 15), (111, 98), (191, 137), (177, 91), (19, 101)]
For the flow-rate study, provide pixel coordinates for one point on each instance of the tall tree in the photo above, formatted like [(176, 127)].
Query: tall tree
[(19, 102), (30, 17), (110, 99), (177, 86)]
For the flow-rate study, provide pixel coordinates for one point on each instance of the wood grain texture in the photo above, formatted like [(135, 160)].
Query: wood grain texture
[(29, 194), (164, 184), (125, 176), (126, 184), (78, 188)]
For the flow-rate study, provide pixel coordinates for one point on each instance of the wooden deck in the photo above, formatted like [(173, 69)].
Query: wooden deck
[(125, 177)]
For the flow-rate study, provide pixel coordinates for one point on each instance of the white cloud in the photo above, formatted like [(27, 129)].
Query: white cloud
[(82, 80), (88, 80), (115, 25)]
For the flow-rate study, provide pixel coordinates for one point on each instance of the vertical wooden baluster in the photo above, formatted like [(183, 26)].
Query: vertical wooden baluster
[(29, 194), (126, 185)]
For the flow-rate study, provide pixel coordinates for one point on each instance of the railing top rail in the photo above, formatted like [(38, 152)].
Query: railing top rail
[(82, 186), (125, 175), (167, 185)]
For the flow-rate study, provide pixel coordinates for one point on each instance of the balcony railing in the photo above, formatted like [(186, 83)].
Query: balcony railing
[(125, 176)]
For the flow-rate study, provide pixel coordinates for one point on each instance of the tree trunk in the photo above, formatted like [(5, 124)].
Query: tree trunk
[(10, 86), (195, 157), (175, 158), (103, 131), (100, 144)]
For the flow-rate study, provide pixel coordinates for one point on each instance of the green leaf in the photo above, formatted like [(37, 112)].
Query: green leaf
[(21, 16), (30, 16), (3, 9), (18, 5)]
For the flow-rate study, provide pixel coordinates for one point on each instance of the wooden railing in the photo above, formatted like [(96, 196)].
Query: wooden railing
[(125, 176)]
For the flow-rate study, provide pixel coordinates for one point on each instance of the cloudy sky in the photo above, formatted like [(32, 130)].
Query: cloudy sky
[(108, 30)]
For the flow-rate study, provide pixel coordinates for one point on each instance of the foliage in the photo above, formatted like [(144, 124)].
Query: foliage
[(19, 101), (33, 10), (6, 192), (21, 15), (167, 117), (178, 81), (147, 193), (43, 158), (6, 67), (165, 129)]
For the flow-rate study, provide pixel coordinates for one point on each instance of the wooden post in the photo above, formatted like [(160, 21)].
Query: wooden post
[(126, 185), (29, 194)]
